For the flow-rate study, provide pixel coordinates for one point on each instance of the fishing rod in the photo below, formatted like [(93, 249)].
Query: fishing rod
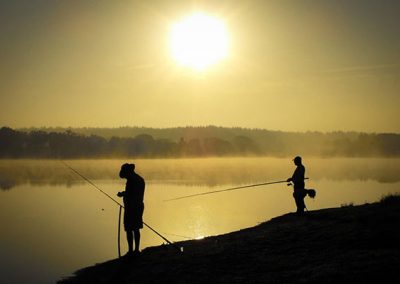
[(121, 206), (228, 189)]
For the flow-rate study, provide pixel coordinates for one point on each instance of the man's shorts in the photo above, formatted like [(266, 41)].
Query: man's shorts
[(133, 216)]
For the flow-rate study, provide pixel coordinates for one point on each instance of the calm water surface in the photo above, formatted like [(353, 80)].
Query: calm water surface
[(54, 223)]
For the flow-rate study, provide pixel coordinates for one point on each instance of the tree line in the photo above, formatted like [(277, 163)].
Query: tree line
[(190, 142)]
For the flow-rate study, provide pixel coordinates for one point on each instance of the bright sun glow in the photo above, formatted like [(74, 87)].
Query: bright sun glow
[(198, 41)]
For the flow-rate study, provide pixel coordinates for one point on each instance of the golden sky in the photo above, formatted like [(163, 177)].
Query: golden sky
[(293, 65)]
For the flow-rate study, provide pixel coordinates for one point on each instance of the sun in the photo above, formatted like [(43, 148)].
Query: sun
[(199, 41)]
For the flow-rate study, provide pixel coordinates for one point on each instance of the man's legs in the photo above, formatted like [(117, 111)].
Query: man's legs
[(129, 238), (299, 199), (300, 204), (136, 232)]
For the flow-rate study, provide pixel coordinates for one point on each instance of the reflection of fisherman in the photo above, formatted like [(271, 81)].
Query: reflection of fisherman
[(299, 186), (133, 202)]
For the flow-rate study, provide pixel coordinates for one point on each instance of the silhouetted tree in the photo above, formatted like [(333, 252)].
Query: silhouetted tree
[(217, 147), (195, 142), (245, 145)]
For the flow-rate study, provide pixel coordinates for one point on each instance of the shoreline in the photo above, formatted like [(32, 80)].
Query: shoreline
[(360, 244)]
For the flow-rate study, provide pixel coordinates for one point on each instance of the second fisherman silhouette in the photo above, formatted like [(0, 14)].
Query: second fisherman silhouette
[(134, 206)]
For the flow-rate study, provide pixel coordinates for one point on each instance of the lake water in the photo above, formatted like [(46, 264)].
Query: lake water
[(53, 222)]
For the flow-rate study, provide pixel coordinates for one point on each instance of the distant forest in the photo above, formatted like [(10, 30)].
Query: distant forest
[(190, 142)]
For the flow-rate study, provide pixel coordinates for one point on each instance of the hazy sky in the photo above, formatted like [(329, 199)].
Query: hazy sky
[(293, 65)]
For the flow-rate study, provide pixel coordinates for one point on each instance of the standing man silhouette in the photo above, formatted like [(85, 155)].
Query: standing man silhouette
[(134, 206), (299, 186)]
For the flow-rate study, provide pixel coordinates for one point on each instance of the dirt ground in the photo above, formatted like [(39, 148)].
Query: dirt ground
[(353, 244)]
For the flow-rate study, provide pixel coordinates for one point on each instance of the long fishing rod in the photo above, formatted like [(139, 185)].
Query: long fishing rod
[(119, 204), (89, 181), (228, 189)]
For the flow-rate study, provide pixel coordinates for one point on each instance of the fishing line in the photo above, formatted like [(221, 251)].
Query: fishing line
[(180, 236)]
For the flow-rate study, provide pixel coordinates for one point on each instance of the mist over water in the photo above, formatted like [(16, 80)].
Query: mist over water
[(55, 223), (197, 172)]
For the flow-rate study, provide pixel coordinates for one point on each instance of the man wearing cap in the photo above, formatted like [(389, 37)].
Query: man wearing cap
[(299, 186), (134, 207)]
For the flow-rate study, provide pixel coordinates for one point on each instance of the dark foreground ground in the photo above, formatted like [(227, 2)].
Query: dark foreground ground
[(353, 244)]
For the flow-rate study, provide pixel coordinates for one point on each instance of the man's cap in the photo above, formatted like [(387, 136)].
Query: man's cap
[(126, 169), (297, 158)]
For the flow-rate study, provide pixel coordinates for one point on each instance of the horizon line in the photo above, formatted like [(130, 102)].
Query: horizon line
[(200, 126)]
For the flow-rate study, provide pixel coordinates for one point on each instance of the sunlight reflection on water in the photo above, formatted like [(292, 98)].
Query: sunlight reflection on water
[(70, 224)]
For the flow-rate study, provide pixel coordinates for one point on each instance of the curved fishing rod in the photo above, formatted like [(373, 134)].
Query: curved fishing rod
[(228, 189), (119, 204)]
